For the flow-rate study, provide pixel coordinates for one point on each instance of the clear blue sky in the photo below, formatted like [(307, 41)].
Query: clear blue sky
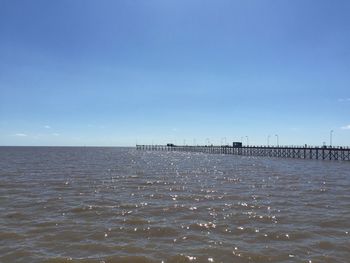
[(119, 72)]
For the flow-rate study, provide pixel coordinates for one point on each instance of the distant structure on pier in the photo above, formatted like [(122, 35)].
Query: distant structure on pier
[(237, 144)]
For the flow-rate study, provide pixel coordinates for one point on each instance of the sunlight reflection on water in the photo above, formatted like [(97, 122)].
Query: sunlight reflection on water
[(123, 205)]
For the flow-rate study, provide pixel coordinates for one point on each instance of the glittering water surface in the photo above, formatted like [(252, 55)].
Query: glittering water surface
[(123, 205)]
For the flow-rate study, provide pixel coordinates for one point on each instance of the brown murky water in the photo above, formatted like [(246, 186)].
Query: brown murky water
[(123, 205)]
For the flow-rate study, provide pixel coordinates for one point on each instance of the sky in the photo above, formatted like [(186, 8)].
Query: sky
[(121, 72)]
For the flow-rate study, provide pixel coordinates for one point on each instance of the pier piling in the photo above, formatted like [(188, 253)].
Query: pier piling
[(316, 153)]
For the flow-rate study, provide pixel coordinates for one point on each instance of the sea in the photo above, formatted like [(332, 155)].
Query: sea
[(112, 204)]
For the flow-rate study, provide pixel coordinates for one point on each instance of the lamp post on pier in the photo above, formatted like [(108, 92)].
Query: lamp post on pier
[(268, 140), (330, 137), (247, 140), (277, 139)]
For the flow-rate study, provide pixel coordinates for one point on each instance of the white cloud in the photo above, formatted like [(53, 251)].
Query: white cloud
[(47, 127), (347, 127), (55, 134), (21, 134), (344, 99)]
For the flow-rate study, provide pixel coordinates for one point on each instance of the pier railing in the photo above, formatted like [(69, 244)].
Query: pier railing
[(299, 152)]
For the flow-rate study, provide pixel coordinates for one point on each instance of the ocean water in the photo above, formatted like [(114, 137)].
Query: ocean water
[(122, 205)]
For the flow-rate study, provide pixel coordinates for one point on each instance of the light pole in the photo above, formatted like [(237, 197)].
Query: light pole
[(268, 140), (247, 140), (331, 137), (241, 139), (277, 138)]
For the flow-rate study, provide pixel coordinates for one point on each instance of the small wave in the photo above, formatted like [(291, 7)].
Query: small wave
[(325, 245), (154, 231), (17, 216), (336, 223), (10, 235), (284, 236), (136, 221), (110, 259)]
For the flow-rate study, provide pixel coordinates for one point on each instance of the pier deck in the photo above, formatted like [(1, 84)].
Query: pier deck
[(317, 153)]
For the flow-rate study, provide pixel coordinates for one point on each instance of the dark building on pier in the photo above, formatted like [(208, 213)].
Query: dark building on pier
[(237, 145)]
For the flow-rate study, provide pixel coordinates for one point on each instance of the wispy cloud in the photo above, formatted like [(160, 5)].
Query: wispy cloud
[(344, 100), (21, 135), (346, 127), (55, 134), (47, 127)]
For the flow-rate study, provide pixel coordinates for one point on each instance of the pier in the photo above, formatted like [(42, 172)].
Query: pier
[(315, 153)]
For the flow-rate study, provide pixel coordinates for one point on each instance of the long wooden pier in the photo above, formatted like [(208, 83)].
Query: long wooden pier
[(316, 153)]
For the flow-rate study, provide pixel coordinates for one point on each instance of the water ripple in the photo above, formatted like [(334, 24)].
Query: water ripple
[(121, 205)]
